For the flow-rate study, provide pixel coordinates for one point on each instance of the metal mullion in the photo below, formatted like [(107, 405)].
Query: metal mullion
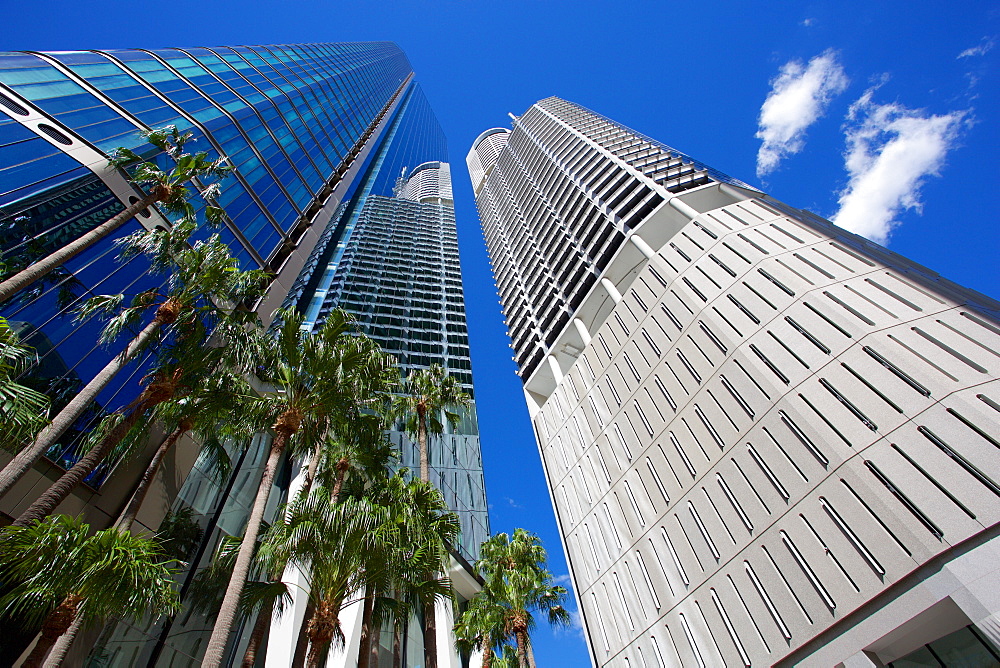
[(259, 116), (300, 91), (239, 128), (308, 91), (317, 118), (291, 103), (333, 83), (208, 136)]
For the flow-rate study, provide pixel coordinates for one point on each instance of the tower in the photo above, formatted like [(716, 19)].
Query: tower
[(767, 440), (318, 136)]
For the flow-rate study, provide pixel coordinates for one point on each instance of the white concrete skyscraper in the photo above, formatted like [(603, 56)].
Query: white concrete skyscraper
[(768, 440)]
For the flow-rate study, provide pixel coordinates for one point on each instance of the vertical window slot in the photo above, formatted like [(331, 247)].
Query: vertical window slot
[(905, 500), (712, 337), (896, 371), (970, 468), (827, 319), (734, 502), (779, 622), (663, 390), (807, 569), (704, 531), (809, 337), (855, 411), (696, 291), (737, 396), (708, 425), (675, 558), (730, 629), (657, 480), (871, 387), (933, 481), (769, 364), (768, 472), (635, 506), (687, 365), (684, 457), (875, 517), (754, 319), (804, 439), (645, 577), (691, 640)]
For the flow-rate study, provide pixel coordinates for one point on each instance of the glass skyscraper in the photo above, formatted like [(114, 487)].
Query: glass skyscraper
[(333, 147), (769, 441)]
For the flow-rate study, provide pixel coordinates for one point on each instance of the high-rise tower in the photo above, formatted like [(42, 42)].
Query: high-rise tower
[(767, 440), (335, 151)]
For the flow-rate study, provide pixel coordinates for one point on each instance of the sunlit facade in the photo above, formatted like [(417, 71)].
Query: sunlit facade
[(318, 136), (768, 441)]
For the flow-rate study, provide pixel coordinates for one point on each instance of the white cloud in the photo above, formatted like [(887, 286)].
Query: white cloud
[(563, 580), (808, 22), (799, 97), (980, 49), (891, 150)]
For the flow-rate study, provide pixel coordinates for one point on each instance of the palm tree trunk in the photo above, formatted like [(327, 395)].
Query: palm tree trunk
[(127, 518), (62, 646), (56, 624), (487, 654), (430, 636), (365, 651), (43, 267), (260, 628), (522, 647), (311, 471), (531, 655), (322, 627), (425, 469), (155, 393), (342, 466), (25, 459), (397, 646), (230, 603)]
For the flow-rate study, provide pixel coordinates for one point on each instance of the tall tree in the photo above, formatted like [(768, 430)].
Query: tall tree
[(22, 410), (166, 188), (201, 277), (483, 627), (427, 395), (200, 281), (317, 378), (56, 573), (517, 579), (422, 529)]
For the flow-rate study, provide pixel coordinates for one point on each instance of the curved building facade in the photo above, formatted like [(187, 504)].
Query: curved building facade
[(768, 441)]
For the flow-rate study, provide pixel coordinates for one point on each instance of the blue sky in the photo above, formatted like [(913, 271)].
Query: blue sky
[(866, 98)]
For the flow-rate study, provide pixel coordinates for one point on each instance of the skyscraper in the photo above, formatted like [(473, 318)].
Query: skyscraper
[(329, 143), (767, 440)]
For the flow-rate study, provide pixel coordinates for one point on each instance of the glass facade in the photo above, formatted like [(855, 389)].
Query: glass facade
[(320, 138)]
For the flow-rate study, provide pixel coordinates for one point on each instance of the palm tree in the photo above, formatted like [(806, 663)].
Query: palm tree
[(336, 544), (201, 277), (211, 411), (317, 379), (22, 409), (482, 627), (422, 529), (517, 579), (166, 188), (427, 393), (263, 595), (58, 574)]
